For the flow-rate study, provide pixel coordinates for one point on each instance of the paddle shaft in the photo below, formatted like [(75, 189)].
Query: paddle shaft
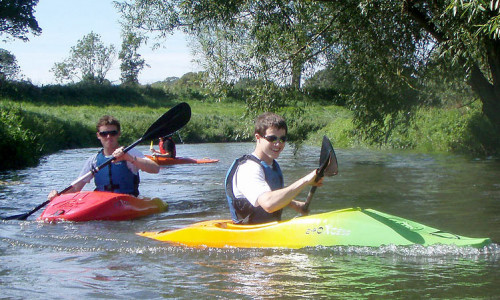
[(310, 195)]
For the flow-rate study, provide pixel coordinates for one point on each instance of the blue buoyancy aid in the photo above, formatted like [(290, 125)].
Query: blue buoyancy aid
[(242, 211), (116, 177)]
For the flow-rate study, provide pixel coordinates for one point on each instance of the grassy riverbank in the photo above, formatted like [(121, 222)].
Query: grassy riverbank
[(58, 118)]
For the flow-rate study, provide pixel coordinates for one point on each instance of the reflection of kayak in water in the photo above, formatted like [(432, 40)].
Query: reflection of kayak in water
[(89, 206), (347, 227), (162, 161)]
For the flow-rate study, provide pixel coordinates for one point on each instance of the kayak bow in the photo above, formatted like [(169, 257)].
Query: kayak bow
[(90, 206), (346, 227)]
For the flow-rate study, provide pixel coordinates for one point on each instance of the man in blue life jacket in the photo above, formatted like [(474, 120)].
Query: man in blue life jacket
[(122, 175), (254, 183)]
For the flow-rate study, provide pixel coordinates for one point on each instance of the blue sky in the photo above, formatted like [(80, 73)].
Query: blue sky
[(64, 22)]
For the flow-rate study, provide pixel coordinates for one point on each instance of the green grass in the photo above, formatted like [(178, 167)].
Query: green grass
[(33, 127)]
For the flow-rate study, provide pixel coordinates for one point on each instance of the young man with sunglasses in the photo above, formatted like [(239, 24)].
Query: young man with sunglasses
[(254, 183), (122, 175)]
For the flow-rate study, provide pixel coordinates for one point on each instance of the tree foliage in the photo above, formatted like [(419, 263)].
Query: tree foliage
[(89, 61), (386, 51), (9, 69), (17, 19), (267, 39), (132, 63)]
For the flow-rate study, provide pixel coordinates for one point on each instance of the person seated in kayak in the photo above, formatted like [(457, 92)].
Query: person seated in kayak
[(121, 176), (254, 183), (167, 147)]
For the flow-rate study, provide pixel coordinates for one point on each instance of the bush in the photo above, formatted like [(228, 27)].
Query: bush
[(217, 128), (464, 131), (18, 145), (87, 94)]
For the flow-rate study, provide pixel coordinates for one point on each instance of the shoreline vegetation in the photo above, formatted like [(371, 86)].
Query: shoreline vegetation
[(36, 121)]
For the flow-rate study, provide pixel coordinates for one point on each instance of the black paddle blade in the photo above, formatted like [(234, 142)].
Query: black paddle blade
[(169, 122), (17, 217), (327, 160), (24, 216), (327, 167)]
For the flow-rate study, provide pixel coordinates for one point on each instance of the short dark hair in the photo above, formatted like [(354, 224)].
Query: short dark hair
[(268, 120), (108, 120)]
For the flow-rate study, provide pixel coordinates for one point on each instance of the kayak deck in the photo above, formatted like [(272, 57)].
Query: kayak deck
[(163, 161), (94, 205), (346, 227)]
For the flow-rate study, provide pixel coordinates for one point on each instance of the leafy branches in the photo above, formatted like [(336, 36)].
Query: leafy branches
[(17, 19), (387, 51), (9, 69), (89, 61), (132, 63)]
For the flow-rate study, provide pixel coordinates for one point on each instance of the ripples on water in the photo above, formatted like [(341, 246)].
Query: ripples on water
[(107, 260)]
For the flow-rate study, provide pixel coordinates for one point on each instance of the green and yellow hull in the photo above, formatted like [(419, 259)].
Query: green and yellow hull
[(347, 227)]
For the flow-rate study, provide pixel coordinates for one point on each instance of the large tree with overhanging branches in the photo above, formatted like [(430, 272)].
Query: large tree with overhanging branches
[(387, 49), (17, 18)]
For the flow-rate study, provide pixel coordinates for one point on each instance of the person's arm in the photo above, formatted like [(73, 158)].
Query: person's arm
[(154, 151), (298, 206), (275, 200), (145, 164), (142, 163)]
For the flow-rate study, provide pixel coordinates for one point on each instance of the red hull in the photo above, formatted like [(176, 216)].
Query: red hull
[(164, 161), (91, 206)]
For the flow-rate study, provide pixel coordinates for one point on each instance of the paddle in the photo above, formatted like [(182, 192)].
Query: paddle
[(327, 167), (168, 123)]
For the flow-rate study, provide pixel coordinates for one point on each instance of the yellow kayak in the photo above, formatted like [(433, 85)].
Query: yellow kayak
[(346, 227)]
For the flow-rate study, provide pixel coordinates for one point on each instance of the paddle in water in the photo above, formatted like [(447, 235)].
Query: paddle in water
[(327, 167), (168, 123)]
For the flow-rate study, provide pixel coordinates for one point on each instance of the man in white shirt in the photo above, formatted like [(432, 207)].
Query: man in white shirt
[(254, 183)]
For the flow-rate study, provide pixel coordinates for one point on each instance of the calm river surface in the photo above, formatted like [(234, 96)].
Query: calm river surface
[(96, 260)]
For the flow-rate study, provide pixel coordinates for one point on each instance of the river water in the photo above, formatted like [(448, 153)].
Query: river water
[(106, 260)]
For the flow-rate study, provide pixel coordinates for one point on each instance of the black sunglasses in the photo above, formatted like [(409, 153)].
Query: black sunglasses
[(273, 138), (106, 133)]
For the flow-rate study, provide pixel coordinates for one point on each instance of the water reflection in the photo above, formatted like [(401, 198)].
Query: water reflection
[(107, 260)]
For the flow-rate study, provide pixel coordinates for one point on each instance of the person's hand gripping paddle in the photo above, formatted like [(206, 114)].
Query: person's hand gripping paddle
[(327, 167)]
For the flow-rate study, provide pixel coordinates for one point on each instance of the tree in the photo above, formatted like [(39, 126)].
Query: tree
[(89, 61), (269, 37), (132, 63), (17, 19), (266, 39), (388, 48), (469, 33), (8, 66)]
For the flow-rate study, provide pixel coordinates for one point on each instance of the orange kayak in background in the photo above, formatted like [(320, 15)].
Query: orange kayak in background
[(164, 161)]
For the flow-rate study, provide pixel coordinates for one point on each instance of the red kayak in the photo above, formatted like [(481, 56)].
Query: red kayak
[(164, 161), (108, 206)]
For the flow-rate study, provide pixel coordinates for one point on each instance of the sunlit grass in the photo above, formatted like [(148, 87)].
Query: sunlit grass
[(31, 129)]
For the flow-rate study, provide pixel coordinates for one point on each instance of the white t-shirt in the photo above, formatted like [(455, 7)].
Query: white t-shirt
[(92, 161), (249, 182)]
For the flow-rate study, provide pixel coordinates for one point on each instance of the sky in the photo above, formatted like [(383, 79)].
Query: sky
[(64, 22)]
